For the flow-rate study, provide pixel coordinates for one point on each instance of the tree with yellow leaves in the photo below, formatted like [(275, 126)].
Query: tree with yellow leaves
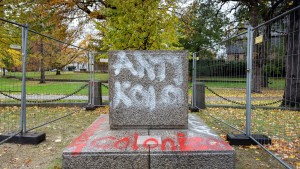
[(140, 25), (9, 35)]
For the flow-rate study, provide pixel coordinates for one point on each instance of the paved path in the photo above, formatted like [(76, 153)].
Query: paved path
[(77, 97), (50, 97)]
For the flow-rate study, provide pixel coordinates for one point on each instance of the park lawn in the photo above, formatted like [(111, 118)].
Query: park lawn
[(62, 88), (223, 82), (69, 75), (236, 92)]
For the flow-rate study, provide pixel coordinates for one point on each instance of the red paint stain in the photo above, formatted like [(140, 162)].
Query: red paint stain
[(135, 146), (124, 142), (180, 143), (170, 141), (183, 143), (80, 142)]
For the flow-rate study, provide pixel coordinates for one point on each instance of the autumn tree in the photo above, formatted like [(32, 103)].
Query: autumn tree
[(260, 11), (291, 95), (48, 20), (202, 25), (9, 35), (257, 11), (140, 25)]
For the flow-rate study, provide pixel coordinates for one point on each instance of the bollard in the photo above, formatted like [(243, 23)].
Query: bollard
[(95, 95), (200, 95)]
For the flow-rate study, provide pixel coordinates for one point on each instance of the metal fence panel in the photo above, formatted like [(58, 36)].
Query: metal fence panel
[(222, 69), (276, 71), (10, 88), (273, 86), (51, 78), (52, 73)]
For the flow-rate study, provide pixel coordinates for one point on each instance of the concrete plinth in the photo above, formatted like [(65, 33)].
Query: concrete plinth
[(195, 147)]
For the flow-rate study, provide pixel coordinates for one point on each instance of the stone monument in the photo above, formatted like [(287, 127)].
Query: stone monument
[(148, 89), (148, 125)]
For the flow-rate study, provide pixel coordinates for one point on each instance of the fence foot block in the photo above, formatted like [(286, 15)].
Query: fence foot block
[(242, 139), (90, 107), (194, 109), (25, 138)]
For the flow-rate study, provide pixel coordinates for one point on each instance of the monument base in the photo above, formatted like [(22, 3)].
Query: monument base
[(26, 138), (195, 147)]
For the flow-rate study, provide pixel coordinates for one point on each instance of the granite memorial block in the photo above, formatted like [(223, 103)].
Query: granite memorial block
[(148, 89)]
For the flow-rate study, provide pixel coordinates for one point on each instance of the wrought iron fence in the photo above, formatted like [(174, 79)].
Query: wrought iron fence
[(266, 84)]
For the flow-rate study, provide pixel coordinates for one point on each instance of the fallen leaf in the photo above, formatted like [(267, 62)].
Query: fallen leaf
[(27, 162), (57, 141), (292, 156), (252, 147)]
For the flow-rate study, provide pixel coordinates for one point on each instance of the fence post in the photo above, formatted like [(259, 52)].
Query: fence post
[(249, 78), (23, 95), (193, 108), (200, 97), (91, 104)]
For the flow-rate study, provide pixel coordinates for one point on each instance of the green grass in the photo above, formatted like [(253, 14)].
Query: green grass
[(34, 87), (12, 85), (64, 75), (223, 82)]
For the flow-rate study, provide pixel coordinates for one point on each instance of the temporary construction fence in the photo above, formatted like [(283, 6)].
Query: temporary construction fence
[(257, 70), (38, 70)]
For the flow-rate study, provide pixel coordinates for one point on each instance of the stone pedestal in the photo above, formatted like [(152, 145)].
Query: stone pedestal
[(148, 124), (195, 147)]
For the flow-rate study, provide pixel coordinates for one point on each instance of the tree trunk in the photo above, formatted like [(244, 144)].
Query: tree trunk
[(42, 79), (257, 58), (257, 70), (3, 72), (57, 72), (291, 97), (267, 38)]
